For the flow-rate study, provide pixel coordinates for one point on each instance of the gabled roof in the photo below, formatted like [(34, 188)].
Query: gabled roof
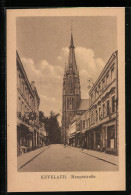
[(84, 104), (75, 118)]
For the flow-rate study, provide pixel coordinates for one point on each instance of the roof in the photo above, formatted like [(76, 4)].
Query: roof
[(74, 119), (84, 104), (114, 55)]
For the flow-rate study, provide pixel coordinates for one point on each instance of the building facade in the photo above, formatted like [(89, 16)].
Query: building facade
[(28, 103), (103, 109), (71, 91), (72, 103), (98, 126)]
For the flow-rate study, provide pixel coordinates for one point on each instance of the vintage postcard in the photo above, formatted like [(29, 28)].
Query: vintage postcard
[(66, 99)]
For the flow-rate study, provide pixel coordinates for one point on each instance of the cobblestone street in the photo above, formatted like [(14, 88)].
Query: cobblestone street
[(60, 158)]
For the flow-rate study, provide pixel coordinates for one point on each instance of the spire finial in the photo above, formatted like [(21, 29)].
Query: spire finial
[(71, 42), (71, 26)]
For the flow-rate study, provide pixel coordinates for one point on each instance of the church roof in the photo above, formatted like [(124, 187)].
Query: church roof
[(84, 104)]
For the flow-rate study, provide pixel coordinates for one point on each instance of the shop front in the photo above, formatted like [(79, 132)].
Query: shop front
[(30, 136), (78, 139), (23, 138), (108, 137), (111, 146), (98, 140), (72, 139), (94, 138), (84, 139)]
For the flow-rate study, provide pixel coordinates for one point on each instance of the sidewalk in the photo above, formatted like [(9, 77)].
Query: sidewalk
[(100, 155), (29, 156)]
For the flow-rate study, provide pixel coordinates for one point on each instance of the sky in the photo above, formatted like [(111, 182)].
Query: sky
[(43, 46)]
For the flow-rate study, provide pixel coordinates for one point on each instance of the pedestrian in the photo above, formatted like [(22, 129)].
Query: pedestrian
[(83, 144)]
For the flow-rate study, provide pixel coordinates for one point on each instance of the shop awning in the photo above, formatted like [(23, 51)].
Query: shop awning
[(77, 132), (72, 135), (27, 127)]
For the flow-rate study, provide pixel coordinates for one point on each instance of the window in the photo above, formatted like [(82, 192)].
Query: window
[(99, 113), (103, 110), (70, 118), (83, 124), (107, 79), (19, 81), (103, 84), (113, 103), (32, 103), (20, 84), (99, 87), (112, 73), (28, 95), (19, 105), (111, 136), (22, 87), (92, 118), (108, 108), (91, 97), (25, 110), (96, 115), (70, 104), (26, 92), (70, 84), (87, 123), (22, 108), (96, 93), (30, 100)]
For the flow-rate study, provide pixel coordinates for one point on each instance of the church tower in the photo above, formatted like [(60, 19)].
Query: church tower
[(71, 96)]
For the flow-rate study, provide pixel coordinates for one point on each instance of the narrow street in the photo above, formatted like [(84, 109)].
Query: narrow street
[(60, 158)]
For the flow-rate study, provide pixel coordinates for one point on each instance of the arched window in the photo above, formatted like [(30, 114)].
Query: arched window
[(70, 103), (70, 84), (67, 103), (70, 117)]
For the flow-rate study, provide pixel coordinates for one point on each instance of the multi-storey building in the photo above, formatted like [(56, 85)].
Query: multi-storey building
[(98, 126), (103, 98), (78, 129), (27, 110)]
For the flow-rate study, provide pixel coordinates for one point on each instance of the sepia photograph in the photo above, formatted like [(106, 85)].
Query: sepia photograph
[(67, 86), (68, 94)]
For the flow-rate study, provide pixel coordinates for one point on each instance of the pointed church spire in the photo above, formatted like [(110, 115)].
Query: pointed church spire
[(71, 42), (71, 60)]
